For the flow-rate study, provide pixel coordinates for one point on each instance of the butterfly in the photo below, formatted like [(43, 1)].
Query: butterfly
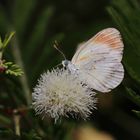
[(98, 61)]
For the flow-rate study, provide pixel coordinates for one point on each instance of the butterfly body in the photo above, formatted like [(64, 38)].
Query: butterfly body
[(98, 61), (71, 67)]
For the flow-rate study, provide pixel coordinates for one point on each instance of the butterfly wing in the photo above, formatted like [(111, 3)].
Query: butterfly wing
[(99, 60)]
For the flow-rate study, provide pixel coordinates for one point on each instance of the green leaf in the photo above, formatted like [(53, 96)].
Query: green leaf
[(13, 69), (132, 71), (137, 113), (31, 136), (22, 13), (7, 39), (1, 44), (5, 120), (4, 20), (38, 34), (133, 96), (6, 132)]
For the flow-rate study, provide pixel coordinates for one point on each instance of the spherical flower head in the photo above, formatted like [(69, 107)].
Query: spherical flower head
[(60, 93)]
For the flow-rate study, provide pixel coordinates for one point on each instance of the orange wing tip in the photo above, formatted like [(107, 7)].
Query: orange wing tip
[(110, 37)]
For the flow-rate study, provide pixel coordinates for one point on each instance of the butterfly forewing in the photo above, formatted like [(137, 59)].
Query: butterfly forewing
[(99, 60)]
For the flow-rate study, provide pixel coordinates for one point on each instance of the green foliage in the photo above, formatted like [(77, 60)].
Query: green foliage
[(31, 136), (8, 67), (12, 69), (7, 134), (133, 96), (3, 44), (38, 25), (7, 39), (30, 39), (137, 113), (5, 120), (128, 21)]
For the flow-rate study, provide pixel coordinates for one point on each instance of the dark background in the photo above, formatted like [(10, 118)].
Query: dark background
[(38, 24)]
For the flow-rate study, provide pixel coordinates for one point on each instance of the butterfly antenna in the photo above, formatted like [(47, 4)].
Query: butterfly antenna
[(56, 46), (58, 65)]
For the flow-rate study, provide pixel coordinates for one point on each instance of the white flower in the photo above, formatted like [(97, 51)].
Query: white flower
[(59, 93)]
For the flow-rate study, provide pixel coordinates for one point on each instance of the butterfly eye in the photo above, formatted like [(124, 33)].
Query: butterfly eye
[(65, 63)]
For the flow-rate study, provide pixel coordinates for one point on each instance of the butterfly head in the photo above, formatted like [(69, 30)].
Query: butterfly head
[(65, 63)]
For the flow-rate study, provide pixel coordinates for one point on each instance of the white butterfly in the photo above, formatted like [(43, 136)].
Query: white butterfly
[(98, 61)]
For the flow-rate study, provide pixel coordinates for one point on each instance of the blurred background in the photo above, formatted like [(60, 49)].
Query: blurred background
[(38, 24)]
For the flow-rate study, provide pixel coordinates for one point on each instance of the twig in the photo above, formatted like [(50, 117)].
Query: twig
[(17, 122)]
